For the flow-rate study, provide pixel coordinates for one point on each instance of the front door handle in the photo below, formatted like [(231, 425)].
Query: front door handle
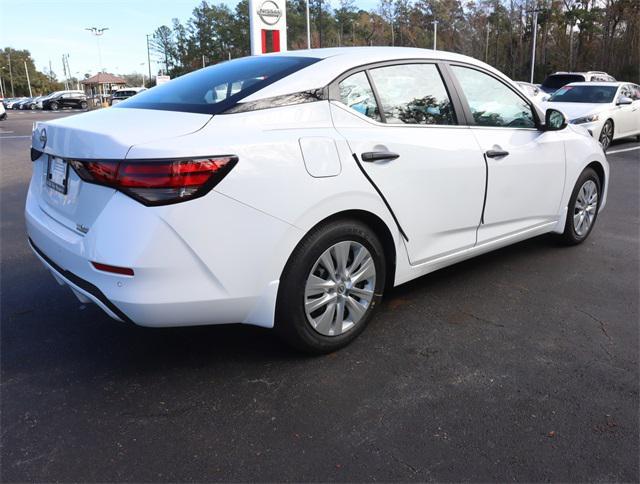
[(496, 153), (371, 156)]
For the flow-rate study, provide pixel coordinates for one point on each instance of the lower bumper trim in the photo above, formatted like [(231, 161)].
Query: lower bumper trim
[(82, 284)]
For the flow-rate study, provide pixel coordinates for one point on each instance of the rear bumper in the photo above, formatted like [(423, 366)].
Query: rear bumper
[(84, 290), (187, 270)]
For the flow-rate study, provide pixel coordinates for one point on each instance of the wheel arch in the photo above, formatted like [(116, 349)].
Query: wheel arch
[(599, 169), (375, 223)]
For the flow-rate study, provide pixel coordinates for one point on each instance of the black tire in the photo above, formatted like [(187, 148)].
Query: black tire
[(291, 318), (570, 236), (33, 107), (54, 106), (83, 105), (606, 135)]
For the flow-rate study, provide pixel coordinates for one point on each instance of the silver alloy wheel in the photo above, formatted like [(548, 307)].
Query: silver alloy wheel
[(585, 208), (339, 288), (606, 135)]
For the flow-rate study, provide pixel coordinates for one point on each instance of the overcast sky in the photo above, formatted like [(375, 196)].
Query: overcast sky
[(50, 28)]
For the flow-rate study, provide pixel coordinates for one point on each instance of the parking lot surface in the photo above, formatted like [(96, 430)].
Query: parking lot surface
[(520, 365)]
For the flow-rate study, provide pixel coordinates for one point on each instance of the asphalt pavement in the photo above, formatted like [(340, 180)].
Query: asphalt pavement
[(519, 365)]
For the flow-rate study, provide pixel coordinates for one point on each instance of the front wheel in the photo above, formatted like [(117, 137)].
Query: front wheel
[(331, 287), (606, 135), (54, 106), (83, 105), (583, 208)]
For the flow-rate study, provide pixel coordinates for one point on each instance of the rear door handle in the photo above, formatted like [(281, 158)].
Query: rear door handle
[(496, 153), (371, 156)]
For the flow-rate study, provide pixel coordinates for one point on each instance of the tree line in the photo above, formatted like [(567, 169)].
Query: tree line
[(571, 34), (13, 75)]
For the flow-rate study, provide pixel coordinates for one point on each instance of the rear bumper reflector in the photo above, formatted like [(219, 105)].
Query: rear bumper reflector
[(125, 271)]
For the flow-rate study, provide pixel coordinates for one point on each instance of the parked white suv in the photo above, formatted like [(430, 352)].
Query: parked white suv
[(555, 81)]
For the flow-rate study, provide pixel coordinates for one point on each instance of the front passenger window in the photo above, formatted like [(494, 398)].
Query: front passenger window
[(491, 102)]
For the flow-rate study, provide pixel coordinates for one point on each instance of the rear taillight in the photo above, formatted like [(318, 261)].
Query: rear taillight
[(157, 182)]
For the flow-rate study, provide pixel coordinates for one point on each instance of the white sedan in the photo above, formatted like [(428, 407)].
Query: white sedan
[(292, 190), (609, 110)]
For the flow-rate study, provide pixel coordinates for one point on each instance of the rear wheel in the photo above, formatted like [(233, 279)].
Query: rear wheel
[(331, 287), (583, 208), (606, 135)]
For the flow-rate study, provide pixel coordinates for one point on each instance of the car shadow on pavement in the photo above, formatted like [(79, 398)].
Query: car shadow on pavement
[(54, 329)]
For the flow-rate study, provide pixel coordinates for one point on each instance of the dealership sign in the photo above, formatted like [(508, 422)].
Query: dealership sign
[(268, 26)]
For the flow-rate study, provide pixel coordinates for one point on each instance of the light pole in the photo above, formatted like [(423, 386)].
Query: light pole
[(533, 46), (308, 27), (435, 34), (148, 58), (486, 47), (13, 94), (98, 32)]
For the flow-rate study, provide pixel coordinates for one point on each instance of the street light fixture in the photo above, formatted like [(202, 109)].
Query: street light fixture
[(98, 32)]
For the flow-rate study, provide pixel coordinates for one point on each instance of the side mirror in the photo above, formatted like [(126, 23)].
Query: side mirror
[(623, 100), (554, 120)]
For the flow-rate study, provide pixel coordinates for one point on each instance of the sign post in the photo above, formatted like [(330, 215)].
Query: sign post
[(267, 26)]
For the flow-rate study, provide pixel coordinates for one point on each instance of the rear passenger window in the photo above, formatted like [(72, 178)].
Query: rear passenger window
[(357, 94), (413, 94)]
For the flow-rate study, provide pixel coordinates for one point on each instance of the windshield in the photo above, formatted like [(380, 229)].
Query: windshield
[(584, 94), (214, 89), (556, 81)]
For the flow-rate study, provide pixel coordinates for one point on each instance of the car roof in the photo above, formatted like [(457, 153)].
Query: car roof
[(336, 60)]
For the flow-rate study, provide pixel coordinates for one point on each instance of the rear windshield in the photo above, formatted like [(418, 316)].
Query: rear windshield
[(584, 94), (124, 93), (214, 89), (556, 81)]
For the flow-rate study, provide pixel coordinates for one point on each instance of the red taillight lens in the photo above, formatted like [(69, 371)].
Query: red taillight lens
[(158, 182)]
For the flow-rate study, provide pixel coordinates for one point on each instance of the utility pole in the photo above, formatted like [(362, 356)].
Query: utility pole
[(148, 58), (1, 89), (353, 32), (435, 34), (13, 94), (203, 65), (308, 27), (28, 80), (533, 46)]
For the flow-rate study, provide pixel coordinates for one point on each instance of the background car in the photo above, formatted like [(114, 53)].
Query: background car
[(3, 112), (206, 167), (65, 99), (12, 102), (31, 104), (125, 93), (608, 110), (555, 81)]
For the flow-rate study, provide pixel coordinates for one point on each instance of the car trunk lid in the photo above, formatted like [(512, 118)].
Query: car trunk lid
[(107, 134)]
